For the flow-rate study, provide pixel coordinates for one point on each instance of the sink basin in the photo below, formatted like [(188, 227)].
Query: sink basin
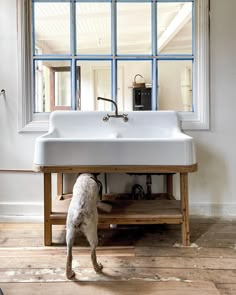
[(82, 138)]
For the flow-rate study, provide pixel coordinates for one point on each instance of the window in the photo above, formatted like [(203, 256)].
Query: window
[(73, 51)]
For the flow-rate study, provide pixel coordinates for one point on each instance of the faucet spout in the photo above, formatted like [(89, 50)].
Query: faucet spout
[(107, 117), (112, 101)]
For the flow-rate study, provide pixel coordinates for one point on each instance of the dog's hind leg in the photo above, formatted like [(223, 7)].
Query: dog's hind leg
[(70, 234), (91, 235)]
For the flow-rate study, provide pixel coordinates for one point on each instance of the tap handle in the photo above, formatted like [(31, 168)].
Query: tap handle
[(106, 118), (125, 117)]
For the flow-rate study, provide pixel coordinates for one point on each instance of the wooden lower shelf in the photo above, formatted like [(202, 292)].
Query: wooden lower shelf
[(129, 212)]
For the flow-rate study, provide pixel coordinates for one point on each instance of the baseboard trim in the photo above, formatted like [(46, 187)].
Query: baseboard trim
[(21, 212), (213, 210), (33, 212), (20, 219), (21, 208)]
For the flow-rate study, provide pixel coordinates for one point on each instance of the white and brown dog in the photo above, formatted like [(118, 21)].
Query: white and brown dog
[(83, 217)]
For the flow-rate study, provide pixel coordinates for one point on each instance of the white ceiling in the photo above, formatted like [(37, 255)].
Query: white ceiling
[(133, 27)]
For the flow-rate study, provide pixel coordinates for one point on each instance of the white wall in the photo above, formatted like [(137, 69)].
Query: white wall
[(16, 150), (214, 183)]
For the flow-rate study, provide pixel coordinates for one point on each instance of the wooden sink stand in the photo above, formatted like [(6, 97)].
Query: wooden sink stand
[(126, 212)]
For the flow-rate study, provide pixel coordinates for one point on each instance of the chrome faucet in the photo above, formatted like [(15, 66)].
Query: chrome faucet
[(107, 117)]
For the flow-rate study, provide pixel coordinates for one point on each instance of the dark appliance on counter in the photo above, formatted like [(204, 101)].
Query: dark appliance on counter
[(142, 99)]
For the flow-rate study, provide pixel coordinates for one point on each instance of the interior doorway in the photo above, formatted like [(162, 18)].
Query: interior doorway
[(102, 88)]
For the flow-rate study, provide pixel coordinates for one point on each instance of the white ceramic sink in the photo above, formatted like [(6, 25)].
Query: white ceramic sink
[(83, 138)]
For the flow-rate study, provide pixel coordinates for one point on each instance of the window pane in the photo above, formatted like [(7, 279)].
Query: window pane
[(52, 85), (130, 74), (175, 85), (174, 27), (134, 28), (93, 28), (52, 28), (94, 80)]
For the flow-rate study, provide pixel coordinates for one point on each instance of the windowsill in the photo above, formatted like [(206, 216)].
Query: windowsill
[(35, 126)]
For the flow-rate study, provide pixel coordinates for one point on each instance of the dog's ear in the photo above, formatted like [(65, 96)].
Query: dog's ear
[(99, 186), (100, 190), (95, 174)]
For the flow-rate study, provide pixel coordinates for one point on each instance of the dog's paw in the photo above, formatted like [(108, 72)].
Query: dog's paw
[(70, 275), (98, 267)]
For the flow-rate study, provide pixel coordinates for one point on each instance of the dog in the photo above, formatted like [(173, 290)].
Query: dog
[(83, 217)]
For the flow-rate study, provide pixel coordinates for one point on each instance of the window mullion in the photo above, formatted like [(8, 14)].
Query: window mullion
[(73, 54), (154, 85), (154, 53), (114, 50)]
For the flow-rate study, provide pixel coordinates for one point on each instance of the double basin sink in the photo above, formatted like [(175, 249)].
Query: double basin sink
[(77, 138)]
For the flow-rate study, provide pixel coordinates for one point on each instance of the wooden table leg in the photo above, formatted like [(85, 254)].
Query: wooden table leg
[(184, 208), (47, 209)]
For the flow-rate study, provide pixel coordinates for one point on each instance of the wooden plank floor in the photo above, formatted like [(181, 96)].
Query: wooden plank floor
[(137, 260), (113, 288)]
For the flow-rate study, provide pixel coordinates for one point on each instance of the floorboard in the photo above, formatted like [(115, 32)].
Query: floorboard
[(112, 288), (137, 260)]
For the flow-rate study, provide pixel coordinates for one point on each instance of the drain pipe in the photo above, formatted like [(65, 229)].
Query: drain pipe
[(149, 186)]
